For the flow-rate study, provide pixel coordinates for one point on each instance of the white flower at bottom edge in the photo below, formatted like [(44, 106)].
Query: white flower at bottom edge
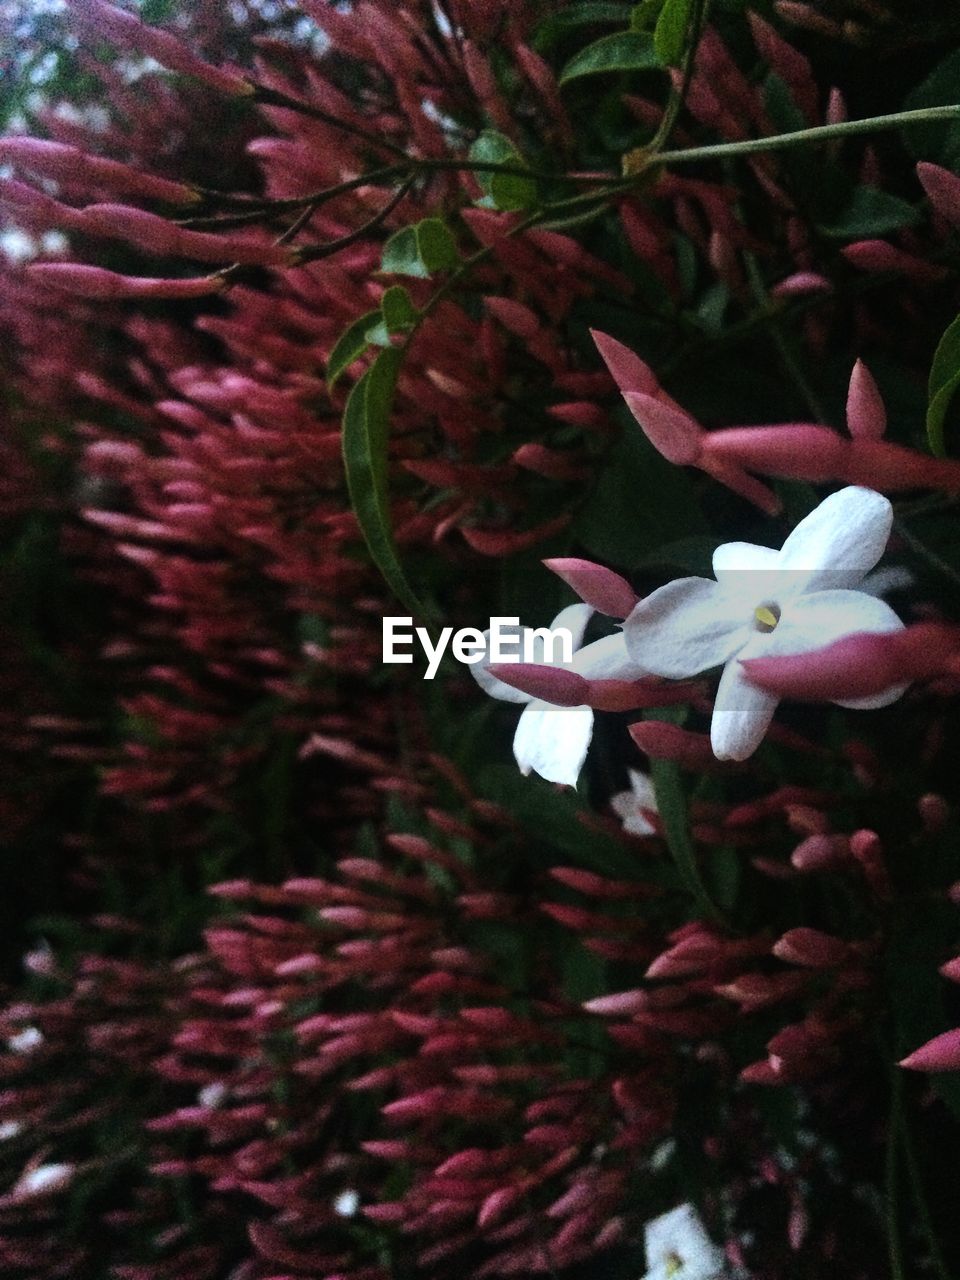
[(550, 740), (678, 1247), (767, 603), (629, 805)]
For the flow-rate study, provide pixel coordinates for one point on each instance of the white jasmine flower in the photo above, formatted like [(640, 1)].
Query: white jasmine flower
[(552, 741), (44, 1178), (629, 805), (346, 1203), (25, 1041), (10, 1129), (211, 1095), (678, 1247), (767, 603)]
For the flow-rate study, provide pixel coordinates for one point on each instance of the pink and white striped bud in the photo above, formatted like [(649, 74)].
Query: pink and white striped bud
[(942, 1053), (597, 586), (551, 684), (866, 412), (96, 282), (811, 949)]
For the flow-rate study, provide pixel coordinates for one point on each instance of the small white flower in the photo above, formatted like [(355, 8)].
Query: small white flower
[(767, 603), (552, 741), (25, 1041), (44, 1178), (629, 805), (346, 1203), (10, 1129), (211, 1095), (678, 1247)]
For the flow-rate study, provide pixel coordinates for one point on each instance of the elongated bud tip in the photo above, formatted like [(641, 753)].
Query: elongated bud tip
[(596, 585), (866, 412), (551, 684), (943, 190), (942, 1053), (628, 371)]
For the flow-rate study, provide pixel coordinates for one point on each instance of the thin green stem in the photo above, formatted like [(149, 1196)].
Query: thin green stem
[(892, 1179), (920, 1199), (799, 138), (924, 552), (679, 96)]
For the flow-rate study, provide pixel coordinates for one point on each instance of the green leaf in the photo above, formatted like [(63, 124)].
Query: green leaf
[(944, 380), (398, 311), (579, 15), (670, 33), (401, 255), (623, 51), (366, 424), (672, 807), (420, 250), (639, 502), (503, 191), (939, 141), (350, 345), (436, 245), (869, 212)]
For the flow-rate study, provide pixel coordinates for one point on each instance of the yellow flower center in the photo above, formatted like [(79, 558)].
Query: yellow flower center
[(674, 1264), (767, 616)]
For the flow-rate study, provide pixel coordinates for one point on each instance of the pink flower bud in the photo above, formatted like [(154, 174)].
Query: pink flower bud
[(157, 235), (515, 316), (70, 164), (622, 1005), (597, 586), (934, 813), (665, 741), (552, 684), (878, 255), (799, 451), (96, 282), (543, 461), (811, 949), (951, 970), (859, 665), (671, 431), (942, 1053), (628, 371), (866, 412), (818, 852), (505, 542), (800, 284), (942, 188), (105, 21)]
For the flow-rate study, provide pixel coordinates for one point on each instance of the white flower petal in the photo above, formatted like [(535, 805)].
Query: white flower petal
[(607, 659), (641, 785), (816, 620), (741, 557), (684, 628), (894, 577), (839, 542), (741, 711), (623, 804), (490, 684), (635, 824), (573, 618), (681, 1235), (553, 741)]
